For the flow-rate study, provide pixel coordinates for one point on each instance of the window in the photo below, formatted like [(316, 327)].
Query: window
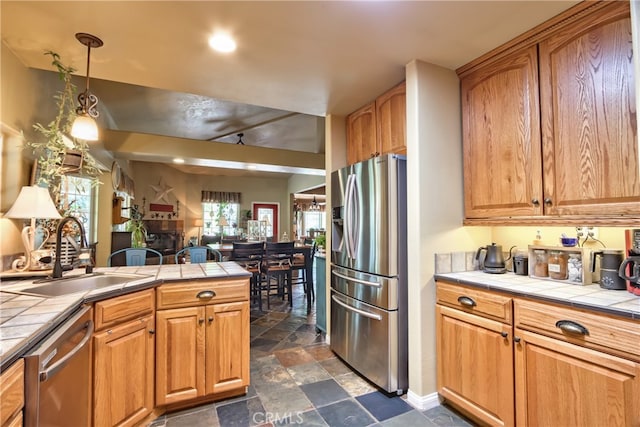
[(215, 214), (313, 219), (79, 199)]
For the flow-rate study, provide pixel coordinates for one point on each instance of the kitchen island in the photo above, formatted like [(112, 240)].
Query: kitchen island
[(168, 337)]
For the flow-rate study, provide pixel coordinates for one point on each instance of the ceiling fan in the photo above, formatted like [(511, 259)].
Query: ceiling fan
[(240, 142)]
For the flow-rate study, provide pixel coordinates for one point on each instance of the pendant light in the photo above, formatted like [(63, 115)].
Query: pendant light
[(85, 126)]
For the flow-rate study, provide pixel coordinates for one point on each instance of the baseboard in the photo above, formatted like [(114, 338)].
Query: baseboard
[(423, 403)]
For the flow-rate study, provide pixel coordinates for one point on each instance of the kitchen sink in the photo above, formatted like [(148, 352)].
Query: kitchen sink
[(84, 283)]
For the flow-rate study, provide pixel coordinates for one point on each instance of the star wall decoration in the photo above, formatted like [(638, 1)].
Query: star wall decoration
[(162, 191)]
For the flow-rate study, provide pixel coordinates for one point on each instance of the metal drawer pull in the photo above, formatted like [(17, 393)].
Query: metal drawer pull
[(504, 334), (210, 318), (572, 327), (359, 281), (356, 310), (467, 301), (206, 294)]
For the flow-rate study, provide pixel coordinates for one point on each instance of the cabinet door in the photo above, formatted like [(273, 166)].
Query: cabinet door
[(475, 365), (227, 347), (124, 373), (588, 105), (180, 349), (561, 384), (501, 138), (361, 134), (391, 121)]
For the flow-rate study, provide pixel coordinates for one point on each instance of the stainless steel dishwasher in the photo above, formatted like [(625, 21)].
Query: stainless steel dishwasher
[(58, 375)]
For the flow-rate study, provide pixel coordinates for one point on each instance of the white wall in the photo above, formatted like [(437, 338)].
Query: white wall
[(435, 207)]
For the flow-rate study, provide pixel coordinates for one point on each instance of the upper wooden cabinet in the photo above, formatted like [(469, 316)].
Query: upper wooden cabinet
[(378, 127), (549, 126), (502, 164)]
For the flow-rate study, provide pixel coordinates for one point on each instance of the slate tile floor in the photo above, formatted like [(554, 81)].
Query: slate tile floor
[(297, 380)]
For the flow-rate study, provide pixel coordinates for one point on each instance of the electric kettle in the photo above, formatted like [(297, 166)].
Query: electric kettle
[(493, 261)]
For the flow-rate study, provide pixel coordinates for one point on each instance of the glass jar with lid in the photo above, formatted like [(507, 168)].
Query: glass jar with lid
[(540, 264), (557, 264)]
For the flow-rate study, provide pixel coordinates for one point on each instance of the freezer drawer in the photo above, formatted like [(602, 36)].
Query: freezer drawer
[(379, 291), (367, 339)]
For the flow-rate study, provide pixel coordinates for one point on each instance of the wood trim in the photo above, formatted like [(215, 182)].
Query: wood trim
[(556, 220), (536, 34), (12, 391)]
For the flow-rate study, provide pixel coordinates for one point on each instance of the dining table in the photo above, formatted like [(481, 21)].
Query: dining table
[(226, 249)]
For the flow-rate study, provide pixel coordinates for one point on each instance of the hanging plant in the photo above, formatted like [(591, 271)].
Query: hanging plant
[(56, 154)]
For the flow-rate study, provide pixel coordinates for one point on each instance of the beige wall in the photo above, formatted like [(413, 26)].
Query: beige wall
[(18, 90), (435, 205)]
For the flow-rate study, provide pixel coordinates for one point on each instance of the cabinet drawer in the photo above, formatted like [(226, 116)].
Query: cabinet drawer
[(187, 294), (482, 303), (11, 391), (123, 308), (616, 336)]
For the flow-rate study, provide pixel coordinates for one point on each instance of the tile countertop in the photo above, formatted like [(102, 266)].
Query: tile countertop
[(590, 297), (26, 319)]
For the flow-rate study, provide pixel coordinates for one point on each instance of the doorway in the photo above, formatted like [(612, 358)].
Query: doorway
[(269, 212)]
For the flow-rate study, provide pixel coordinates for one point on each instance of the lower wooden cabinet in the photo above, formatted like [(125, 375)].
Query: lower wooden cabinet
[(124, 354), (12, 395), (475, 354), (575, 368), (552, 365), (561, 384), (202, 349)]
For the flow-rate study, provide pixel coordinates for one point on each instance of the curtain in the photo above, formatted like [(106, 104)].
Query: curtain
[(220, 197)]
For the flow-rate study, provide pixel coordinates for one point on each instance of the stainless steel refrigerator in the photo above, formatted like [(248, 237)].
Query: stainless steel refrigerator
[(369, 269)]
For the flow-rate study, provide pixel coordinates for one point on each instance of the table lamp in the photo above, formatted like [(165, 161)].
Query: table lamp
[(32, 202), (198, 223), (222, 222)]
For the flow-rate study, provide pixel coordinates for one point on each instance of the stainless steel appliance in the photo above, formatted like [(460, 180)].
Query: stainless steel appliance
[(58, 375), (369, 269), (630, 268), (493, 261)]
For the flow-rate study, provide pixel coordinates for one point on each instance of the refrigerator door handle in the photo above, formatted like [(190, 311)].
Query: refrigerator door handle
[(348, 217), (352, 279), (355, 229), (356, 310)]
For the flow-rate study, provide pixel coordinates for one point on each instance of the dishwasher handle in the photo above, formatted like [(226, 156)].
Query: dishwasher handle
[(53, 369)]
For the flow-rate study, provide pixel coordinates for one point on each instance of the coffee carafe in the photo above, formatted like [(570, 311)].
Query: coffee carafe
[(610, 261), (493, 261)]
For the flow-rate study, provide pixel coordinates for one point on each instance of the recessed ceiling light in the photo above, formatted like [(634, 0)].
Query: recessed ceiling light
[(222, 43), (178, 160)]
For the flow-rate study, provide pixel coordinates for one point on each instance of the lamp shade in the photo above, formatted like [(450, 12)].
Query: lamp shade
[(223, 222), (197, 222), (265, 218), (33, 202), (85, 127)]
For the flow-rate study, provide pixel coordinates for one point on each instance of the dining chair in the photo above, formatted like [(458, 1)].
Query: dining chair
[(250, 256), (278, 257), (136, 256), (301, 262), (197, 255)]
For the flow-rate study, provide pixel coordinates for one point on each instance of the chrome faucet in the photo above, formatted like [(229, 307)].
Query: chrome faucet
[(57, 266)]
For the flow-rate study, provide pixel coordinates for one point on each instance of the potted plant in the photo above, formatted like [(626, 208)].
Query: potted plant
[(136, 226), (55, 153), (321, 241)]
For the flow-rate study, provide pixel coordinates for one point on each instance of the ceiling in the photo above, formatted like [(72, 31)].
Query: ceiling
[(296, 61)]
